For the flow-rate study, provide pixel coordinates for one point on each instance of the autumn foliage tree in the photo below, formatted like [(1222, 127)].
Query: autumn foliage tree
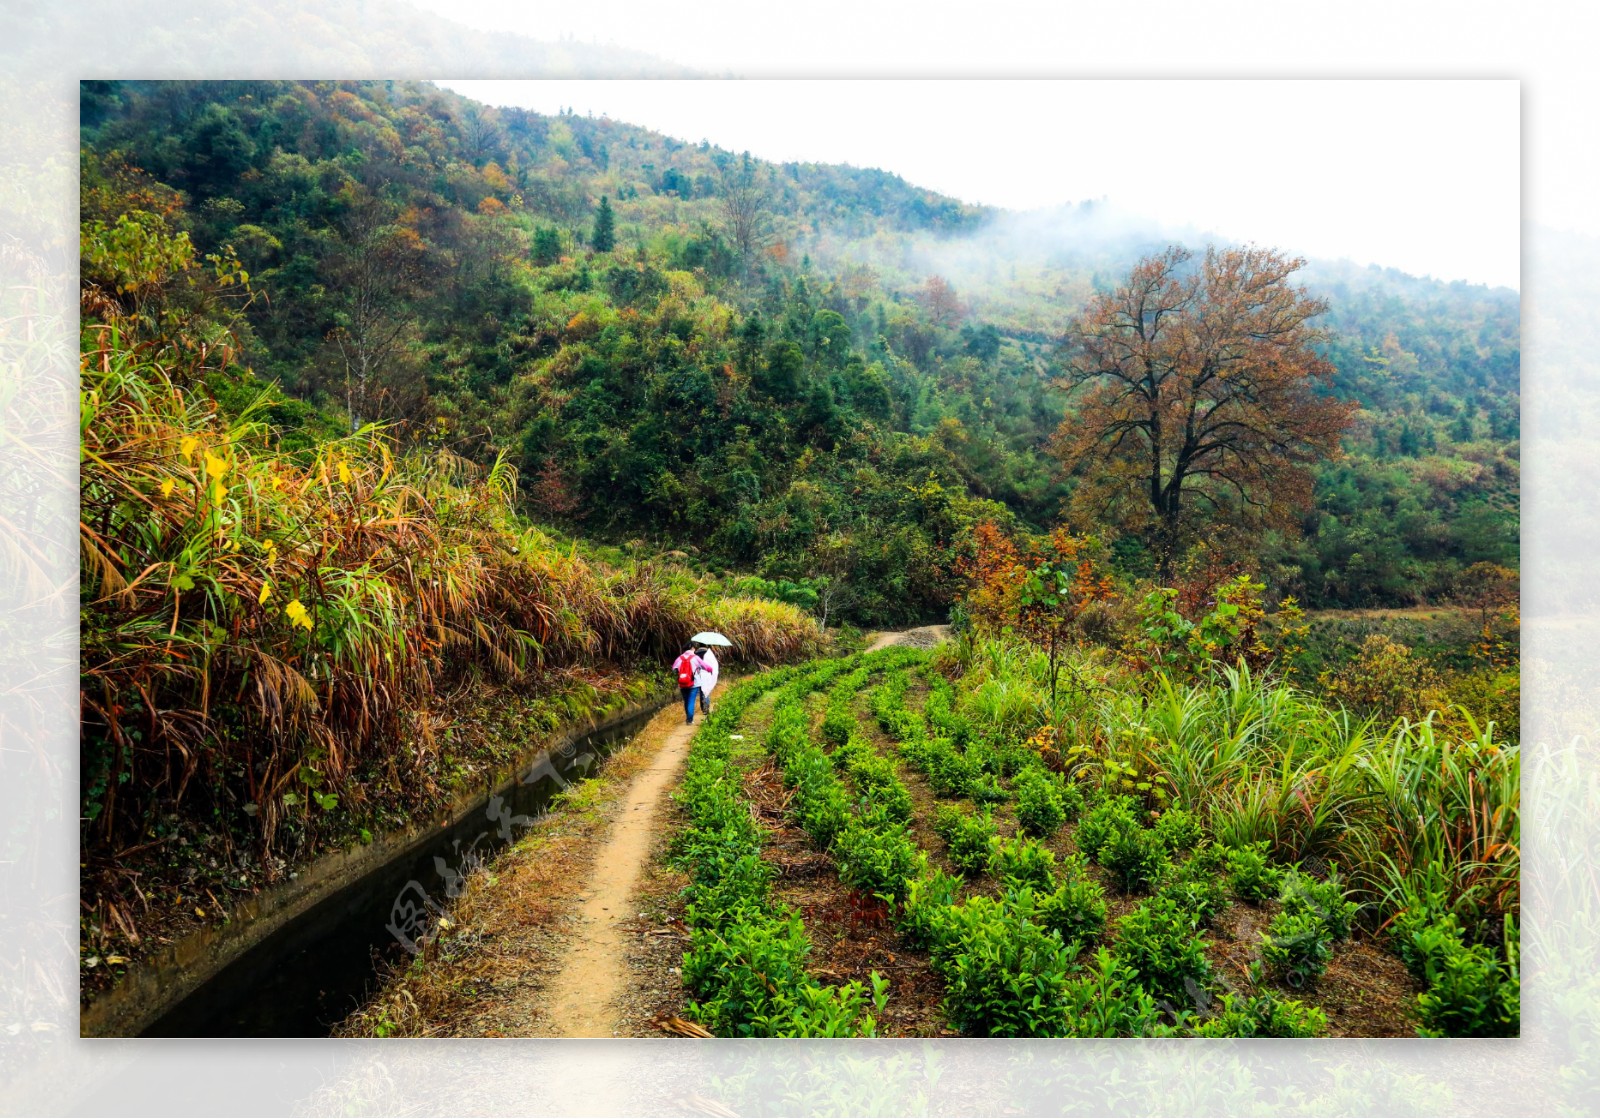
[(1197, 387), (943, 304), (1040, 590)]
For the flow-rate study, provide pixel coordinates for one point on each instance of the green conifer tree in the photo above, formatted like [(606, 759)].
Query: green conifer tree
[(604, 238)]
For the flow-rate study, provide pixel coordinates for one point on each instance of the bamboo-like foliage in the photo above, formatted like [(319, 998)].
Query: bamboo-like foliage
[(1447, 820), (1408, 810), (252, 618)]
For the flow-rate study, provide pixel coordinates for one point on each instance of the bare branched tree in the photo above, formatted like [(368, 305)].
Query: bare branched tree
[(379, 264), (746, 210)]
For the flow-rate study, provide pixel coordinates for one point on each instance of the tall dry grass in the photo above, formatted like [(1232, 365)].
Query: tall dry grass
[(260, 629)]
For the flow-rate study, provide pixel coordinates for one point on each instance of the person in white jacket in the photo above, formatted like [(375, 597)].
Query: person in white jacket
[(705, 677)]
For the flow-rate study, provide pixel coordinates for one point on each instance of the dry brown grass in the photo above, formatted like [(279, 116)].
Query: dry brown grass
[(261, 628)]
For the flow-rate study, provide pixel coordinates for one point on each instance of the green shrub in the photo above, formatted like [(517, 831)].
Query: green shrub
[(821, 806), (983, 758), (787, 734), (1300, 893), (1296, 948), (853, 750), (942, 714), (985, 788), (949, 772), (1015, 758), (736, 971), (1004, 975), (888, 707), (1265, 1015), (1251, 876), (1178, 830), (875, 778), (1426, 947), (726, 884), (1108, 814), (837, 724), (877, 855), (923, 916), (1071, 799), (1195, 887), (1039, 808), (1471, 993), (1134, 855), (1023, 862), (1424, 930), (900, 724), (817, 1011), (1076, 910), (969, 837), (893, 798), (1106, 1000), (717, 822), (1206, 859), (1161, 943)]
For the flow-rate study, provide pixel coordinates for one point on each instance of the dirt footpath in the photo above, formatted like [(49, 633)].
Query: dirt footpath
[(538, 943), (924, 637), (582, 1000)]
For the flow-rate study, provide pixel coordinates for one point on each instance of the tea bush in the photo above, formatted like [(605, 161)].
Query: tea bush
[(816, 1011), (985, 788), (1264, 1015), (1004, 975), (1134, 855), (736, 971), (1076, 910), (1109, 814), (1161, 943), (1251, 876), (1039, 808), (942, 712), (877, 855), (1106, 1000), (1195, 886), (1023, 862), (1178, 830), (1296, 947), (949, 772), (922, 916), (727, 881), (821, 805), (969, 837), (1072, 799), (1471, 991), (875, 778), (837, 724), (1300, 893)]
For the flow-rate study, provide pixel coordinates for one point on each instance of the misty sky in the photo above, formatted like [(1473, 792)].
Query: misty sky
[(1418, 175)]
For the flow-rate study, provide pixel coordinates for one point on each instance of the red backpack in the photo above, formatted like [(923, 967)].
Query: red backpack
[(686, 671)]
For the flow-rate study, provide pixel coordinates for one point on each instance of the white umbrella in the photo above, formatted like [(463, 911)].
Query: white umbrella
[(711, 637)]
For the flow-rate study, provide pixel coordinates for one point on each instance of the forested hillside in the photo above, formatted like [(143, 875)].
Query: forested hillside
[(757, 364), (820, 375)]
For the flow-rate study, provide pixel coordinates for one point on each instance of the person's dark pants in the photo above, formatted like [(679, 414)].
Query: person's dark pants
[(689, 696)]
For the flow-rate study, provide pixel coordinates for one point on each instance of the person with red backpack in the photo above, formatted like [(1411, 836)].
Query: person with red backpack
[(688, 667)]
